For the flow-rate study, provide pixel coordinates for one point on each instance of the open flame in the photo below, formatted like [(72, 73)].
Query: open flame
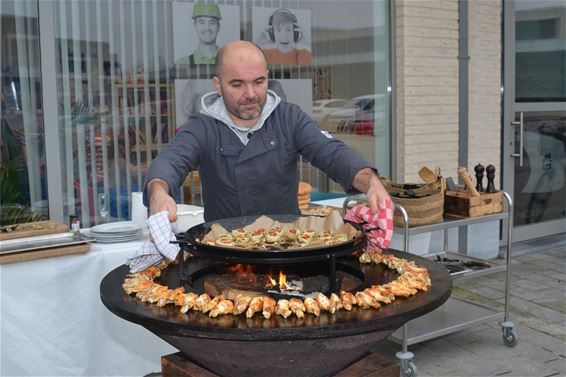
[(244, 273), (282, 284), (283, 281), (246, 276)]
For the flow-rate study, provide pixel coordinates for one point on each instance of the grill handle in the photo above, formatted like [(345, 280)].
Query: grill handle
[(181, 239), (358, 199)]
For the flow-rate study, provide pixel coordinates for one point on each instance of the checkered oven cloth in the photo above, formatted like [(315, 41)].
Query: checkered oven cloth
[(158, 246), (378, 227)]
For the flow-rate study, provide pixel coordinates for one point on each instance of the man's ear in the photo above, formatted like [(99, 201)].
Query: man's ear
[(216, 81)]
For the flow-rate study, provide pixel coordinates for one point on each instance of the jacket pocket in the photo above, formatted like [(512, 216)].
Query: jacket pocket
[(230, 150)]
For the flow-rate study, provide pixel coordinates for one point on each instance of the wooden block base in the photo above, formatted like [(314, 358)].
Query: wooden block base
[(461, 204), (177, 365)]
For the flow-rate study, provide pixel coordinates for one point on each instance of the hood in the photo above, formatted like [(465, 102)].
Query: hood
[(213, 106)]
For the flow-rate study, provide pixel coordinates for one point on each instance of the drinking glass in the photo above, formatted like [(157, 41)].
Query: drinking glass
[(103, 206)]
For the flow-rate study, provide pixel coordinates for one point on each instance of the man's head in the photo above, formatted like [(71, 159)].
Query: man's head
[(241, 80), (207, 22)]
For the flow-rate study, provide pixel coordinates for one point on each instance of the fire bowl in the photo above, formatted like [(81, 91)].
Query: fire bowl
[(311, 346)]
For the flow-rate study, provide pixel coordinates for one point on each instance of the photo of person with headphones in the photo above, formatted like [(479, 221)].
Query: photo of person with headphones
[(283, 39)]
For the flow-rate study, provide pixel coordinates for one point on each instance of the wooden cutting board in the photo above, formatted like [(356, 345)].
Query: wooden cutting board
[(38, 228), (44, 253)]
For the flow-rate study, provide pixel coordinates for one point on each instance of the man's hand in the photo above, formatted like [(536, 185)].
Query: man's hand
[(159, 199), (366, 181)]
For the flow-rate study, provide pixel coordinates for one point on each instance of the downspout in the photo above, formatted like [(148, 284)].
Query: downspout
[(463, 62), (463, 109)]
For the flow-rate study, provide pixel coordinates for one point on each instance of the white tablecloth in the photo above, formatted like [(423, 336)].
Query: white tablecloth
[(53, 323)]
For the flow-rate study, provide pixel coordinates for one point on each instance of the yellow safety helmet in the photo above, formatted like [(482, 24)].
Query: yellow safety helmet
[(208, 10)]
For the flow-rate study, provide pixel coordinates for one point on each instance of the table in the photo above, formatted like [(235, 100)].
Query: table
[(52, 321)]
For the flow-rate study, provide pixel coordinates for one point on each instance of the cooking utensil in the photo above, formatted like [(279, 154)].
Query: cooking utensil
[(190, 241), (427, 175)]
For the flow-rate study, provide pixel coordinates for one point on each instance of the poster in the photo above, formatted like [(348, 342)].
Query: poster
[(200, 29), (283, 34)]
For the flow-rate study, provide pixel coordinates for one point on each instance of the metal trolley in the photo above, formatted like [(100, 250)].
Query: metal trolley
[(462, 314)]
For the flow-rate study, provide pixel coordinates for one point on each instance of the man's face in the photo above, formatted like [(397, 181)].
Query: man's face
[(207, 29), (243, 87), (283, 34)]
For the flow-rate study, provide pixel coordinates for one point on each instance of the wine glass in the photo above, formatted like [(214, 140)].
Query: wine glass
[(103, 206)]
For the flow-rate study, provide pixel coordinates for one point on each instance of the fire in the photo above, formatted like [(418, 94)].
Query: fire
[(272, 283), (244, 273), (283, 281)]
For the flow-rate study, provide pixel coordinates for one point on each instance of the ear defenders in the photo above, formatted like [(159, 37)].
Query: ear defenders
[(297, 34)]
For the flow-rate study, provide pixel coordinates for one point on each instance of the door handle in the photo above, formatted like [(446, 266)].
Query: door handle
[(520, 124)]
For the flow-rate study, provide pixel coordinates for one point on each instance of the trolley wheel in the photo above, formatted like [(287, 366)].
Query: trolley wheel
[(410, 370), (510, 338)]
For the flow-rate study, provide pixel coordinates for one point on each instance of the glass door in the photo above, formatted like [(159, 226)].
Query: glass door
[(535, 116)]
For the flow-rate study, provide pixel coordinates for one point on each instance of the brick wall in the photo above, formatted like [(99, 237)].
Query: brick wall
[(427, 74)]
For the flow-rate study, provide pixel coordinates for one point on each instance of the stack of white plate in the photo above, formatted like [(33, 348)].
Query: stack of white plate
[(121, 231)]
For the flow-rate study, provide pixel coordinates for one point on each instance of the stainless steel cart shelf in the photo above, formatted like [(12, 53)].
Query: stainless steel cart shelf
[(455, 314)]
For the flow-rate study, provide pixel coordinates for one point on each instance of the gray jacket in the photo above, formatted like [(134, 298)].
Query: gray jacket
[(257, 177)]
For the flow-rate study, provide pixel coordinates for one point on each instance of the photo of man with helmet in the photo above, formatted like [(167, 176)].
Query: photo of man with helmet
[(206, 18)]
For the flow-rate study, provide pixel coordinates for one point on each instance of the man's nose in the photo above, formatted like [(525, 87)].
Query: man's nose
[(249, 91)]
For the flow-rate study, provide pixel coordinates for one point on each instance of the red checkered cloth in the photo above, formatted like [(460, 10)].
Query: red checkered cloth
[(378, 226)]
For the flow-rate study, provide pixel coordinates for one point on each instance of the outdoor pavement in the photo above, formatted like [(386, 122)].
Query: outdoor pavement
[(538, 311)]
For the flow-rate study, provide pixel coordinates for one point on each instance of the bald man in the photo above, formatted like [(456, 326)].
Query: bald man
[(245, 142)]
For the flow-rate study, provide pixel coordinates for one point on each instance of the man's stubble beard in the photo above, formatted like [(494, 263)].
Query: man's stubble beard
[(244, 116), (236, 110)]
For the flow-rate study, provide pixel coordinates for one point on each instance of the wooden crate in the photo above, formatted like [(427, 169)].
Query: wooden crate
[(461, 204)]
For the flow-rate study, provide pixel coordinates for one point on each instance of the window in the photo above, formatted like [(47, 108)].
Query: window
[(128, 73), (540, 51), (23, 190)]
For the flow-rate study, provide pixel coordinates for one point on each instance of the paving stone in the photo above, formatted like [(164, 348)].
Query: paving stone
[(529, 285), (441, 346), (549, 265), (490, 348), (472, 296), (547, 281), (554, 275), (522, 366), (541, 339), (553, 296), (552, 302), (488, 292), (494, 284), (558, 365), (530, 309), (537, 309)]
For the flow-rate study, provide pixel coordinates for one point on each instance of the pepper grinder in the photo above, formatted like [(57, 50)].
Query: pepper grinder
[(490, 170), (479, 169)]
